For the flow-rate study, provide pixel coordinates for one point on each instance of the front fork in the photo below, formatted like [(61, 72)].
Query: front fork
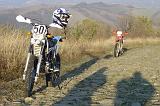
[(38, 65), (26, 66)]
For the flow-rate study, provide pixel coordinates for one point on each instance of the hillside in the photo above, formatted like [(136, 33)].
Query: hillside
[(100, 11), (156, 18), (136, 3)]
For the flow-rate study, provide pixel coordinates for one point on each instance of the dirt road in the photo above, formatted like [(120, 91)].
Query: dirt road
[(132, 79)]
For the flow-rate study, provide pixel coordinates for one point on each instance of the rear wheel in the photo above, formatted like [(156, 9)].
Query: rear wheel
[(55, 79), (116, 49), (48, 78), (55, 75), (30, 76)]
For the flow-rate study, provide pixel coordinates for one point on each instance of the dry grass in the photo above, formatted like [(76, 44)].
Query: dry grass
[(12, 53), (74, 50), (144, 41), (14, 46), (139, 42)]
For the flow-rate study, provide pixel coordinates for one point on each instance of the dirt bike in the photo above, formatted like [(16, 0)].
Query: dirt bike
[(118, 48), (40, 53)]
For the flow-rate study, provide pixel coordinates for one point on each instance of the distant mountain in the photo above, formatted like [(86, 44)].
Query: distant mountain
[(102, 12), (138, 3), (135, 3), (108, 13), (98, 11), (156, 18)]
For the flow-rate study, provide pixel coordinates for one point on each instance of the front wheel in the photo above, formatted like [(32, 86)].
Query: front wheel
[(116, 50), (121, 47), (30, 76)]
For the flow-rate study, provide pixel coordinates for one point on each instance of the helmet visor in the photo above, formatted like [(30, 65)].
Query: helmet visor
[(64, 18)]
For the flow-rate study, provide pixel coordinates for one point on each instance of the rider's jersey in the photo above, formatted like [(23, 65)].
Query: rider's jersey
[(119, 35), (54, 40), (56, 31)]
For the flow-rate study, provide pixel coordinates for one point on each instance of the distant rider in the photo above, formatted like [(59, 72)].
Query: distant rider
[(119, 34)]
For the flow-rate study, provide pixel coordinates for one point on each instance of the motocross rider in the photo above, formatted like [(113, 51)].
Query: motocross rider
[(60, 20)]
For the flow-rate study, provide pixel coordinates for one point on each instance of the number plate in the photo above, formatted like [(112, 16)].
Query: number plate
[(39, 29)]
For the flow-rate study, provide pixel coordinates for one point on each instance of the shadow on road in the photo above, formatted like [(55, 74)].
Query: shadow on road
[(108, 56), (81, 93), (78, 70), (125, 50), (133, 90), (40, 89), (72, 73)]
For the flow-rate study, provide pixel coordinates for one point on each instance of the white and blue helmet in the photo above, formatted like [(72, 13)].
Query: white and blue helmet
[(61, 17)]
